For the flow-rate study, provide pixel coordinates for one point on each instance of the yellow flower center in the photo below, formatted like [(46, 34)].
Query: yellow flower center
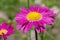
[(3, 31), (34, 16)]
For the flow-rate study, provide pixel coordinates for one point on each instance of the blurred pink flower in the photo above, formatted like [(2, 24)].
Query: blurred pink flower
[(6, 30), (37, 17)]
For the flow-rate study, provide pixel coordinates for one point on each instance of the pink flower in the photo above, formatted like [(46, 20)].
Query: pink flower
[(37, 17), (6, 30)]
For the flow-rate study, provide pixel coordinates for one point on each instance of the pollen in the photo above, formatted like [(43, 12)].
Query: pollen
[(3, 31), (34, 16)]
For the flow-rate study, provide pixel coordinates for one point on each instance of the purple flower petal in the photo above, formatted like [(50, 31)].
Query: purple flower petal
[(4, 25), (20, 18), (0, 37), (24, 10), (48, 20), (27, 28), (39, 27), (8, 27), (33, 8), (24, 25), (44, 9), (38, 9), (5, 37)]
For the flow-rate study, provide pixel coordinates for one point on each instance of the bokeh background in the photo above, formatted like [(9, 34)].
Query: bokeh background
[(9, 8)]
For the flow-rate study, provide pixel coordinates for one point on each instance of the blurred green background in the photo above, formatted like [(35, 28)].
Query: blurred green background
[(9, 8)]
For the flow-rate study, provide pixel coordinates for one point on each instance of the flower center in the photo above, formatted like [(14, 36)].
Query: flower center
[(34, 16), (3, 31)]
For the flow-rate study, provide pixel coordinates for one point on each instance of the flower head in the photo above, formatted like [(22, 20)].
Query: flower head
[(6, 30), (37, 16)]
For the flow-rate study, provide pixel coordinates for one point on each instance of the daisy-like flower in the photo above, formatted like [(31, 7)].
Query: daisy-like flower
[(37, 16), (6, 30)]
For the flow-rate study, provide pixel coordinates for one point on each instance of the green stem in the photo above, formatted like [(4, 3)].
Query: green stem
[(43, 36), (28, 4)]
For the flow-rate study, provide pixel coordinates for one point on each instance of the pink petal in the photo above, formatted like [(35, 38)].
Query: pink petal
[(10, 29), (44, 9), (39, 27), (24, 10), (27, 28), (5, 37), (4, 25), (36, 27), (48, 20), (20, 18), (33, 8), (18, 27), (49, 13), (0, 37), (39, 8)]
